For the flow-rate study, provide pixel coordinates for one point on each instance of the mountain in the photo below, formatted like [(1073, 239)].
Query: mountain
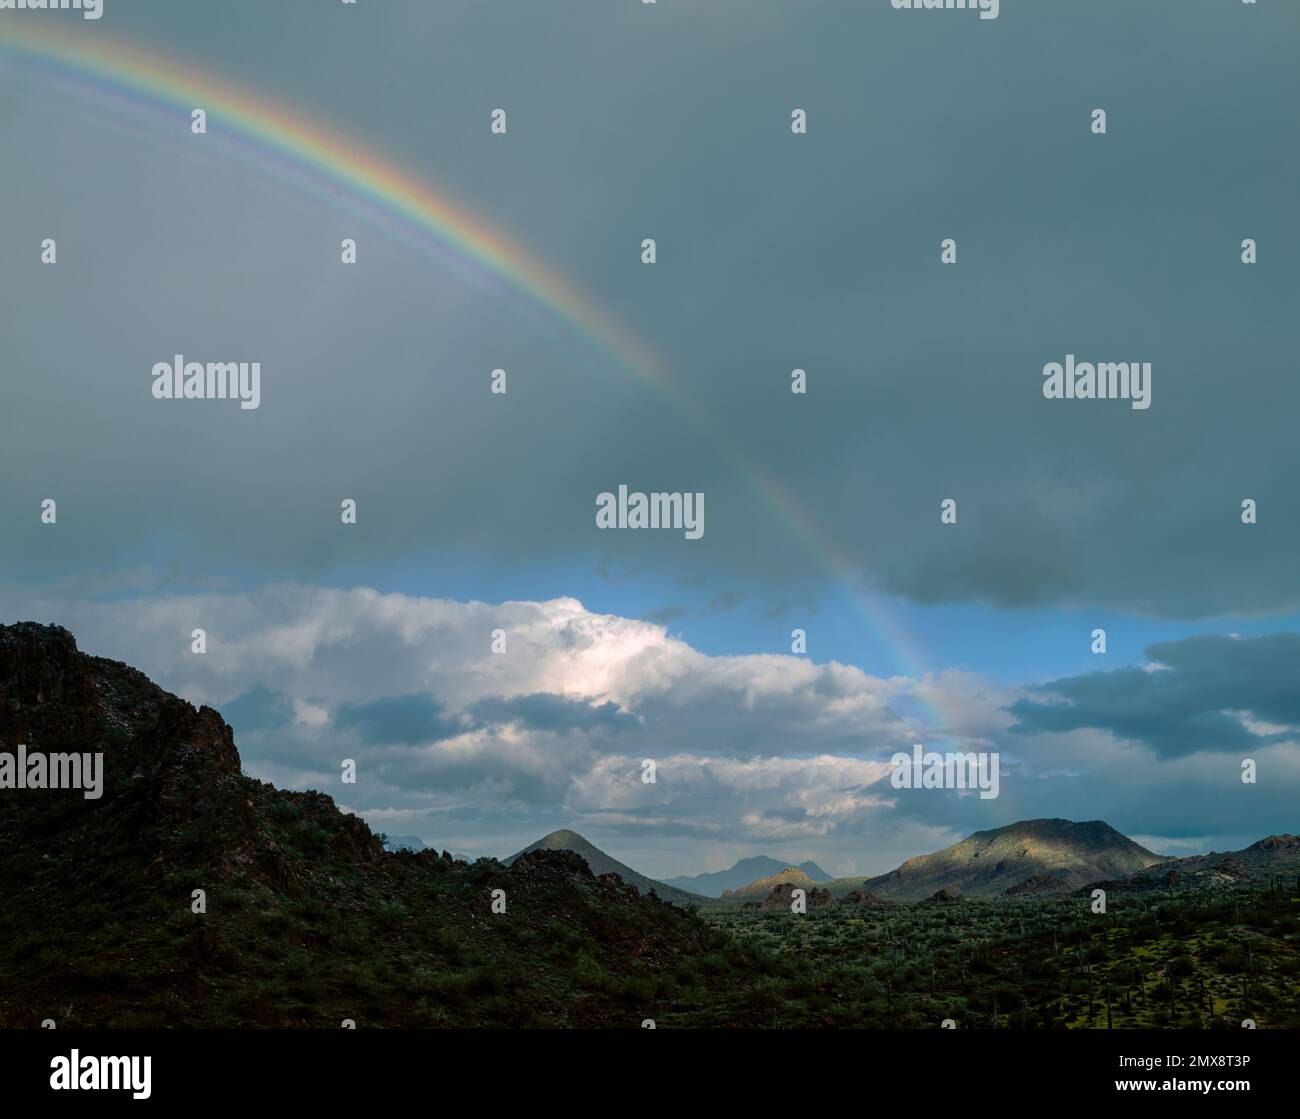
[(1274, 858), (602, 863), (989, 863), (191, 895), (713, 883), (1273, 855), (404, 843), (790, 876)]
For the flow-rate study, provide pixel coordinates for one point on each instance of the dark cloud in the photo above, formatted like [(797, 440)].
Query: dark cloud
[(775, 252), (1184, 707), (544, 711), (258, 709), (409, 720), (665, 614), (723, 603), (537, 772)]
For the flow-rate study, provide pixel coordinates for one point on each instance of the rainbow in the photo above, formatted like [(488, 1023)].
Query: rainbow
[(342, 167), (149, 80)]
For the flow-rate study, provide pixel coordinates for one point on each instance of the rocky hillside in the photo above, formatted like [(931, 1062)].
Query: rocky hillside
[(189, 894), (1275, 855), (1037, 884), (1272, 860), (601, 863)]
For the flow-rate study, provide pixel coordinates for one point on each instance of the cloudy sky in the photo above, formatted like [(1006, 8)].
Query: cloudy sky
[(476, 511)]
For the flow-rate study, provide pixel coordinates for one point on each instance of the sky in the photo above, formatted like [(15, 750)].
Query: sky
[(775, 251)]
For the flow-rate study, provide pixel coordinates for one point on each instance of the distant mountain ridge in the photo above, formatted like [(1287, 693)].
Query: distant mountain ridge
[(989, 863), (713, 883), (791, 877), (601, 863), (1274, 854)]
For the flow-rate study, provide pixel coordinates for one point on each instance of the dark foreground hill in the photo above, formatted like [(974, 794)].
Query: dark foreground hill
[(601, 863), (308, 920)]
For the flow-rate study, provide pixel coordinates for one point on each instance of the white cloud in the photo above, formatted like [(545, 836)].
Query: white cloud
[(754, 754)]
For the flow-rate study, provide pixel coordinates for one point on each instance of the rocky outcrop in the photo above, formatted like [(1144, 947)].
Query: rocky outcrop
[(943, 897), (863, 897), (782, 897), (173, 795)]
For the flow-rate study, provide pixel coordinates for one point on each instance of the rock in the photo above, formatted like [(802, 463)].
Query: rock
[(782, 897), (863, 897), (943, 897)]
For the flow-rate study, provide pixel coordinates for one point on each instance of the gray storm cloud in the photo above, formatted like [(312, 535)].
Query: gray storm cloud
[(819, 252)]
